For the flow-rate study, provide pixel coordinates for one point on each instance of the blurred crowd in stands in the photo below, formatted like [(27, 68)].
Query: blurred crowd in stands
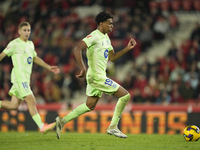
[(57, 27)]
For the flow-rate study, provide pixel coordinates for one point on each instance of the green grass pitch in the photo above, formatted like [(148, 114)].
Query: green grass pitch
[(90, 141)]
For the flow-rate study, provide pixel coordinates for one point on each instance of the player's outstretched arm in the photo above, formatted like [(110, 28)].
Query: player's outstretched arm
[(40, 62), (78, 56), (114, 56), (2, 55)]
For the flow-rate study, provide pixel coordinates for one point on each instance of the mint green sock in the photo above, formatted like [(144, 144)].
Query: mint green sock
[(38, 120), (0, 104), (79, 110), (121, 104)]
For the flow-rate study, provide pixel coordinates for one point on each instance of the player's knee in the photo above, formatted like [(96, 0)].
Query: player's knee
[(91, 103), (14, 106), (91, 107), (33, 102), (126, 97)]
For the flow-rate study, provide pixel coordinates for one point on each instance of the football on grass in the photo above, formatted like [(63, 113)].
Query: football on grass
[(191, 133)]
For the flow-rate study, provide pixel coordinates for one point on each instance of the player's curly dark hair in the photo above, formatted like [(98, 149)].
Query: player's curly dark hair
[(102, 16)]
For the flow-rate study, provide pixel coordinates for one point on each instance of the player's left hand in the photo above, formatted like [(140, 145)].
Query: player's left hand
[(55, 69), (131, 43)]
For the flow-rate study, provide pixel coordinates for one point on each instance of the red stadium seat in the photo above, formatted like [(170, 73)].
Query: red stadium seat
[(173, 21), (176, 5), (186, 5), (153, 4), (196, 5), (164, 5)]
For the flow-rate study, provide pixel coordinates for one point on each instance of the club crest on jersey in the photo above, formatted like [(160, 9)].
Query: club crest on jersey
[(106, 53), (29, 60)]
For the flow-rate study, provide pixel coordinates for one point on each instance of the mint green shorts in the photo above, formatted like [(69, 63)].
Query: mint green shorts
[(100, 86), (20, 90)]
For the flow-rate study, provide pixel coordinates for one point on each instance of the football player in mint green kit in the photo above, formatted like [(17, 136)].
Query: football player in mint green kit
[(99, 50), (23, 55)]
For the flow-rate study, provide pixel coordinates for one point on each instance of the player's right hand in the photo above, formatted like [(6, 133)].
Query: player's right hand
[(55, 69)]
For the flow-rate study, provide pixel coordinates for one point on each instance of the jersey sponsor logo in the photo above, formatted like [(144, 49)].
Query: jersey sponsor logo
[(89, 36), (106, 53), (29, 60)]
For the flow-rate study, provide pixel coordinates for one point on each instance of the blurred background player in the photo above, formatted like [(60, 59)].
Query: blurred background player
[(99, 50), (23, 55)]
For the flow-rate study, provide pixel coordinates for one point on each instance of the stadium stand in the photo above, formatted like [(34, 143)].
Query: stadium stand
[(163, 68)]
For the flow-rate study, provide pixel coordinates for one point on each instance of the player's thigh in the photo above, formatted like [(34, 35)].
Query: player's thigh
[(120, 92), (15, 102), (30, 100)]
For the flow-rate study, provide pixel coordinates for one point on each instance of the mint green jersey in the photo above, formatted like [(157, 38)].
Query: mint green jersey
[(22, 54), (97, 54)]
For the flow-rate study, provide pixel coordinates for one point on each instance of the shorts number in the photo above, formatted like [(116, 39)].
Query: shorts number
[(110, 83), (25, 85)]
